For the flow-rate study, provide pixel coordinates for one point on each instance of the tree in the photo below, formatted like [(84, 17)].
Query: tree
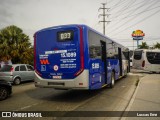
[(157, 45), (143, 46), (15, 45)]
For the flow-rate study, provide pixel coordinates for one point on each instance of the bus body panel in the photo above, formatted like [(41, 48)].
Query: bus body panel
[(152, 61), (113, 64), (97, 76), (57, 63), (148, 60), (53, 66), (95, 73), (138, 58), (57, 59), (80, 82)]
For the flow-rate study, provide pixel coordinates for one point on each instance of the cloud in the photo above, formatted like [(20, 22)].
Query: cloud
[(5, 15)]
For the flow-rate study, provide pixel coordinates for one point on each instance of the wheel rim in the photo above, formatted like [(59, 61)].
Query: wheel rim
[(3, 93), (17, 81)]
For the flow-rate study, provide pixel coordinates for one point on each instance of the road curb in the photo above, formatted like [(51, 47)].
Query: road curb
[(132, 99)]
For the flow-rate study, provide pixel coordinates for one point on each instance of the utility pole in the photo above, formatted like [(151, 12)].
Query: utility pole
[(104, 16)]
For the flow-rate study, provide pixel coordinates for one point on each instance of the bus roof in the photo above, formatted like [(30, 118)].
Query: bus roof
[(82, 25)]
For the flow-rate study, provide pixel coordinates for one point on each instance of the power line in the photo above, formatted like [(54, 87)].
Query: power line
[(129, 12), (133, 11), (139, 13), (138, 22), (129, 19), (119, 13), (137, 6), (120, 3), (110, 1)]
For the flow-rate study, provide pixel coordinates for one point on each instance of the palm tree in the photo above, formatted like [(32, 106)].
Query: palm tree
[(15, 45), (157, 45), (143, 46)]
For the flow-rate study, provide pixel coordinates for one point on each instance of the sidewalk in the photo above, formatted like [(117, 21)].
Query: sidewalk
[(147, 96)]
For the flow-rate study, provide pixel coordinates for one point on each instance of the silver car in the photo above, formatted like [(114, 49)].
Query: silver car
[(17, 73)]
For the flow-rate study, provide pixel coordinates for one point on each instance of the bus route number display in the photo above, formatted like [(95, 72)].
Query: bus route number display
[(63, 36)]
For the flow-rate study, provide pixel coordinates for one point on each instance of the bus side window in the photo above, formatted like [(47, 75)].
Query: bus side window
[(157, 56), (137, 55), (125, 56), (150, 56), (153, 57), (95, 51), (111, 54)]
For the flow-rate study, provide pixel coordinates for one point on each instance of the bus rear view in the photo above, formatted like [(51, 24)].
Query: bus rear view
[(147, 59), (59, 58)]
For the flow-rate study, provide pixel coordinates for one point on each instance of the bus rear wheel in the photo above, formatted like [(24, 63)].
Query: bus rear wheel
[(111, 85)]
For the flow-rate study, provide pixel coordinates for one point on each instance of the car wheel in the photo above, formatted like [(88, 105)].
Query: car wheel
[(3, 93), (111, 85), (17, 81)]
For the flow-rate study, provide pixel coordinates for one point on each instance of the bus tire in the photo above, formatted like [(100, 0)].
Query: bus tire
[(111, 85)]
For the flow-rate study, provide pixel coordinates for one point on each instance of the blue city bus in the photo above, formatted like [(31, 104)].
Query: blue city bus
[(77, 57)]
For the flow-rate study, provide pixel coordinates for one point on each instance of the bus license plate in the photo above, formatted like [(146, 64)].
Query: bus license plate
[(57, 77)]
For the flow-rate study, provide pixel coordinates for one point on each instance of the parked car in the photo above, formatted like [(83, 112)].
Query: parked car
[(17, 73), (5, 89)]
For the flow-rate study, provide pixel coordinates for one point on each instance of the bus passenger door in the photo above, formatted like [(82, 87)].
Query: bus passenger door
[(103, 52), (120, 60)]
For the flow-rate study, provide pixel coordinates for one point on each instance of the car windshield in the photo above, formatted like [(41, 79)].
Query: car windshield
[(6, 68)]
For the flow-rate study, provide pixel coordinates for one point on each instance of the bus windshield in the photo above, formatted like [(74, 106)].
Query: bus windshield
[(138, 55), (153, 57)]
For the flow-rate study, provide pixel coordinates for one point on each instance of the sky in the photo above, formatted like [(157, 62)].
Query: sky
[(126, 16)]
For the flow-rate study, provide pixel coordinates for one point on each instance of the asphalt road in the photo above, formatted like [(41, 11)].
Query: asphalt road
[(26, 97)]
